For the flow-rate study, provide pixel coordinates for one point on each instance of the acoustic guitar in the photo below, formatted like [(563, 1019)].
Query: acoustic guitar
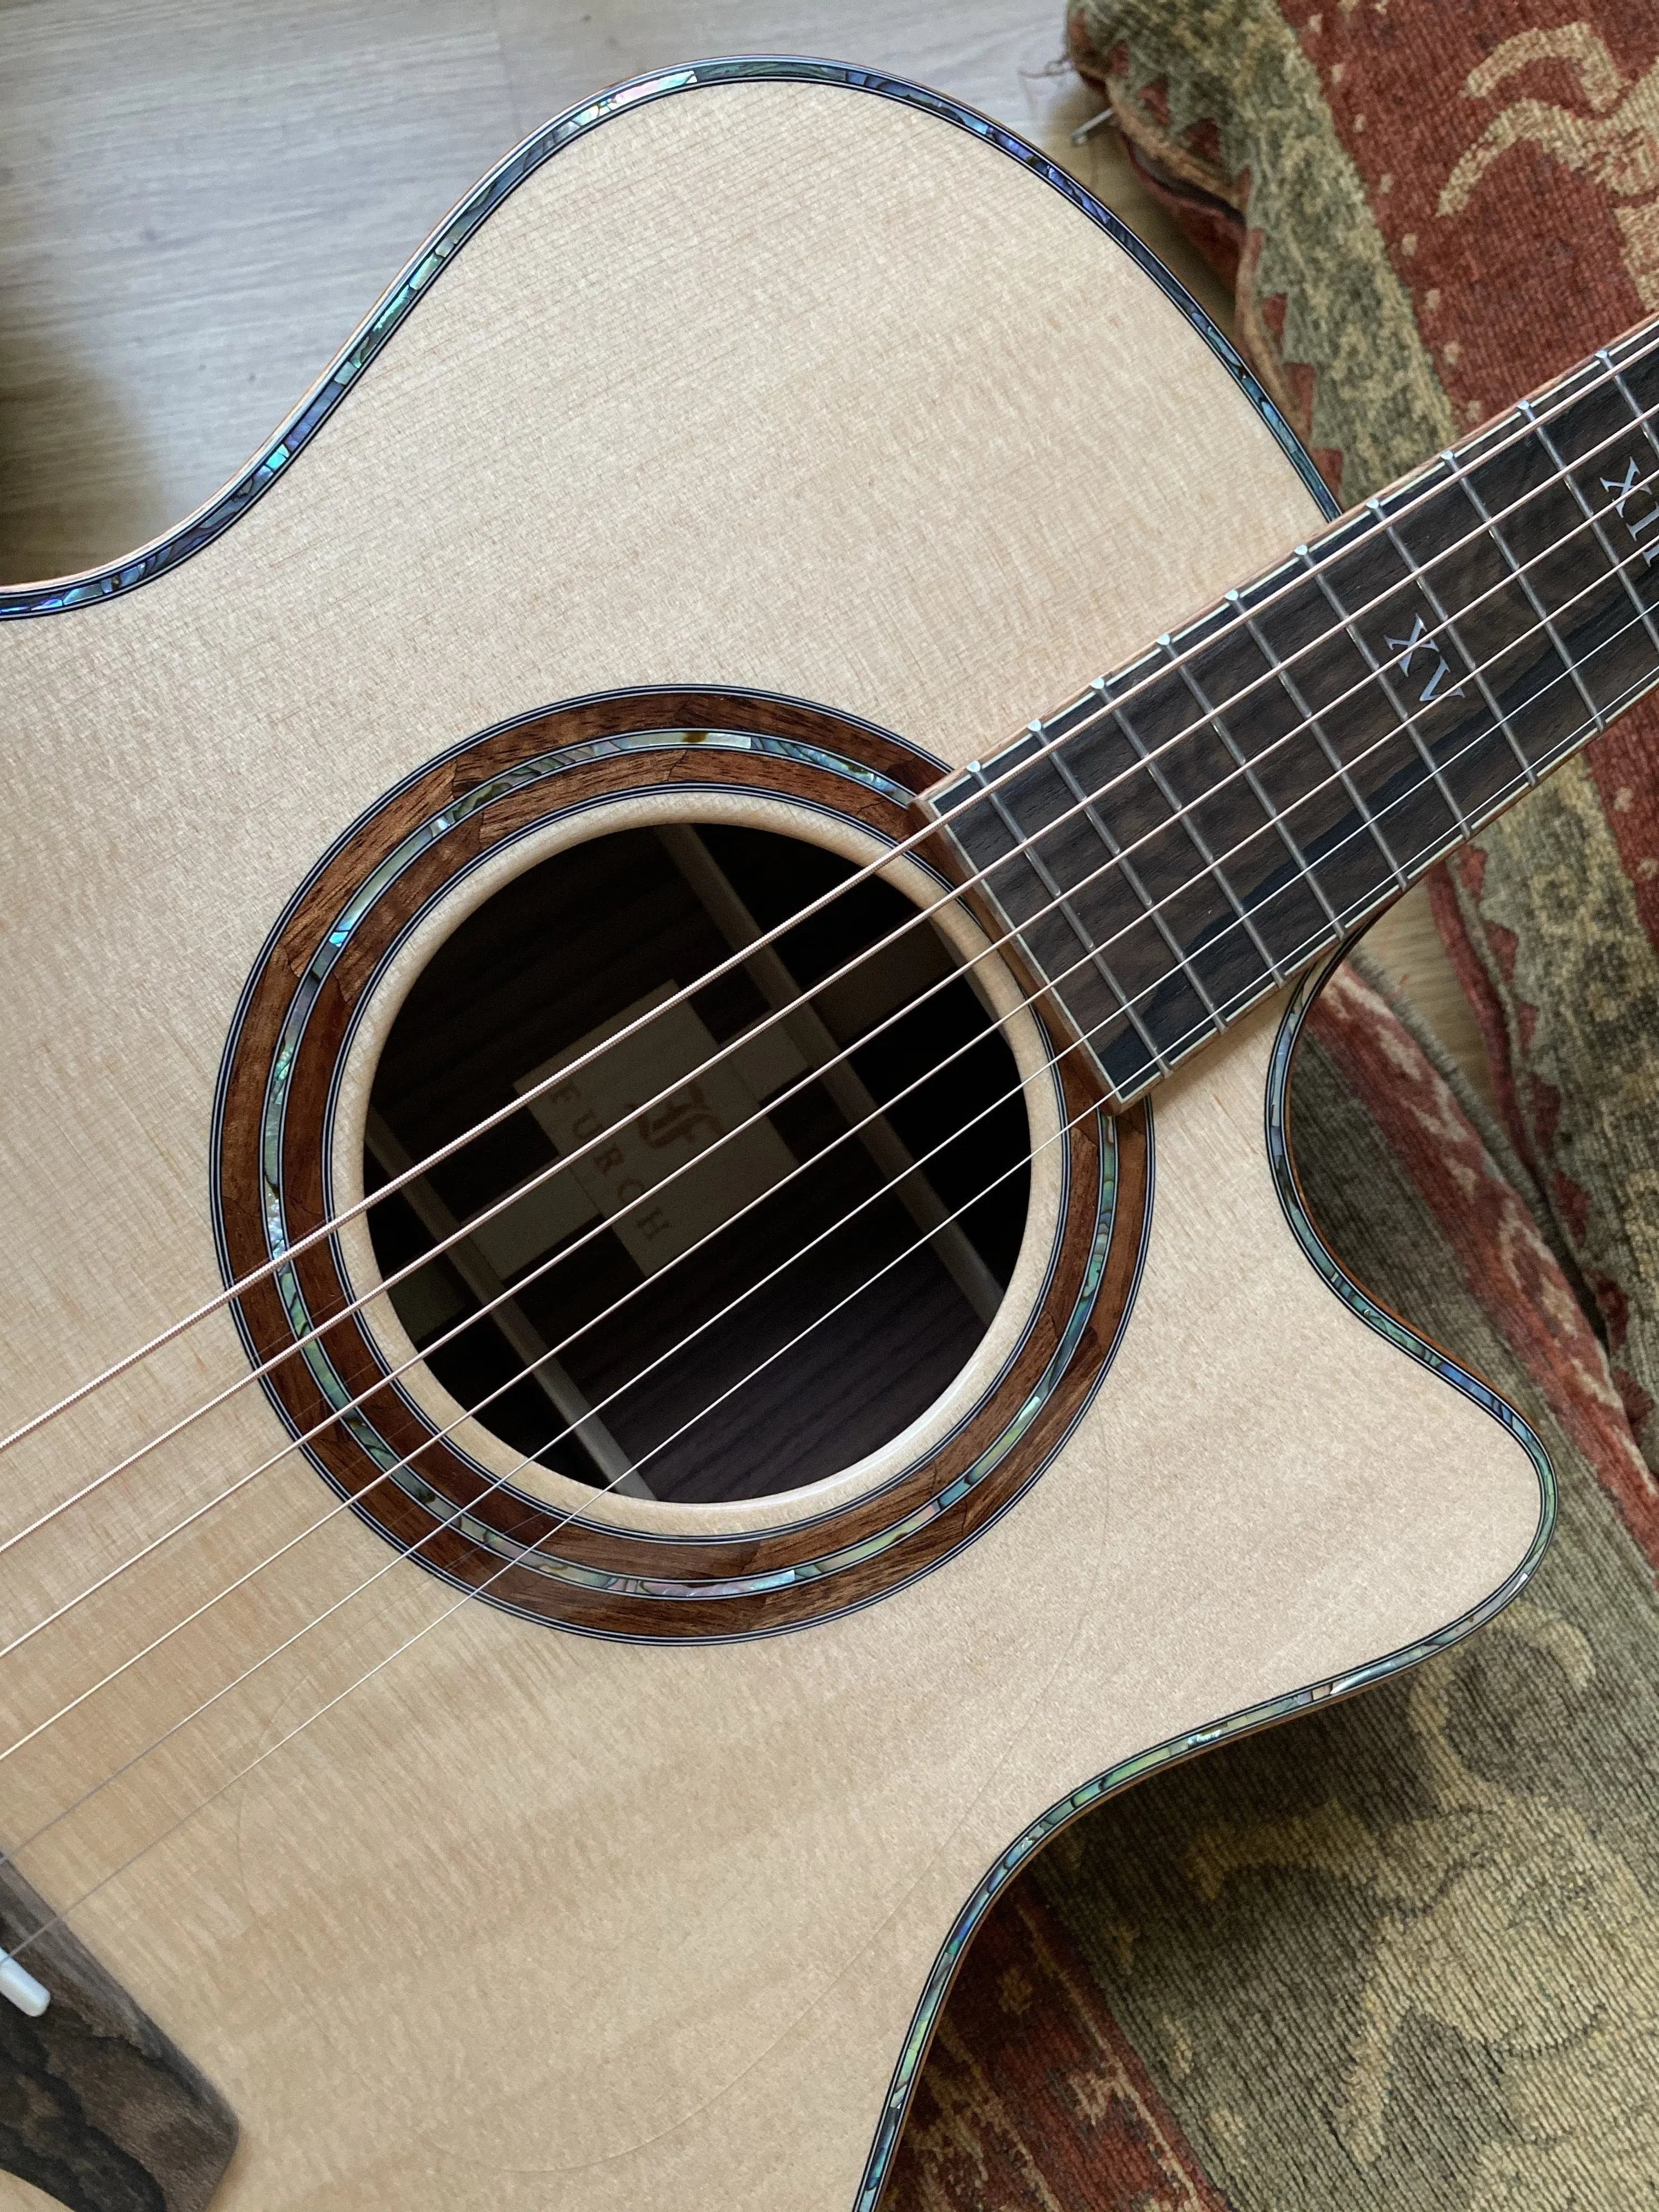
[(656, 1307)]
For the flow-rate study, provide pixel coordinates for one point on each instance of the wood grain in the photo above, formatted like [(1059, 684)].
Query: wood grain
[(198, 204)]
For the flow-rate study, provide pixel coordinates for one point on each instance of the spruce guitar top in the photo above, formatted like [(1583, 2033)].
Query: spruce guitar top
[(556, 985)]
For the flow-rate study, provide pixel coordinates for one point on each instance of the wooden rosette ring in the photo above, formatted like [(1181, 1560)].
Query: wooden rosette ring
[(568, 1555)]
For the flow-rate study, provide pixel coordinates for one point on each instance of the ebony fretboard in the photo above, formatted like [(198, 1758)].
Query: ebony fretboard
[(1200, 825)]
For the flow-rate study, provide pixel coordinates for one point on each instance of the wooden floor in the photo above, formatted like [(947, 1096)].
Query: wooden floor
[(199, 199)]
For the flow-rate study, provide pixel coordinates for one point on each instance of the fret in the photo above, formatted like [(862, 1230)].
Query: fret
[(1213, 718), (1164, 932), (1636, 382), (1527, 677), (1561, 478), (1477, 673), (1523, 577), (1058, 904), (1021, 840), (1094, 816), (1316, 725), (1206, 859), (1022, 894), (1646, 516), (1437, 754), (1498, 600), (1183, 838), (1290, 793), (1593, 516), (1410, 644), (1208, 824), (1109, 832), (1610, 463)]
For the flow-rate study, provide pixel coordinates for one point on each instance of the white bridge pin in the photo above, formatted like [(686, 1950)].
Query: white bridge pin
[(19, 1987)]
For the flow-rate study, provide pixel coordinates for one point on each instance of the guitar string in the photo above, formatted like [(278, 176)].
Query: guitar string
[(381, 1665), (1175, 662), (1263, 829), (424, 1353), (1459, 469), (1275, 820), (59, 1917), (917, 1246), (471, 1411)]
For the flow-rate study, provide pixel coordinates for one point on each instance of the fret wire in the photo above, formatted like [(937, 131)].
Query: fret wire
[(1591, 515), (1364, 904), (1182, 815), (1361, 906), (1368, 904), (1459, 467), (1567, 745), (1212, 716), (52, 1411), (1460, 464), (1477, 668), (1312, 721), (1309, 951), (1538, 607), (1424, 857), (1408, 720), (132, 1857), (1026, 849), (1642, 416), (1361, 903), (1131, 875), (1351, 833)]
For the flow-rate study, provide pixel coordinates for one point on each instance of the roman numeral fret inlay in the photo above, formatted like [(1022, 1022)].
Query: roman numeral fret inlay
[(1199, 826), (1626, 489)]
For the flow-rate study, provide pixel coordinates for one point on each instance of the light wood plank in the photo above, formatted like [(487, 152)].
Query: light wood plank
[(1406, 944), (200, 202)]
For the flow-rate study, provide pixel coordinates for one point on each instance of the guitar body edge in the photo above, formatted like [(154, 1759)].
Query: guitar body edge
[(534, 1922), (1288, 1704)]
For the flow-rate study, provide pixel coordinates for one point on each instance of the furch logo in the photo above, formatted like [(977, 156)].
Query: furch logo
[(1617, 142), (685, 1119)]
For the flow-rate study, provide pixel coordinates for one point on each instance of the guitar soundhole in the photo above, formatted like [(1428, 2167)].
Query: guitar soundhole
[(742, 1286)]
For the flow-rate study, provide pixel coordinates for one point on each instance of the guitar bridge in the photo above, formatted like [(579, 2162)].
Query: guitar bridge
[(101, 2097)]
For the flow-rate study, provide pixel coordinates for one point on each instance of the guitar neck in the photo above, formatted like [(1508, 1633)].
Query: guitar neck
[(1197, 827)]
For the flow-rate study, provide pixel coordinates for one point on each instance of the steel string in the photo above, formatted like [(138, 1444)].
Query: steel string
[(1530, 774), (447, 1521), (1245, 768), (1460, 471), (419, 1635)]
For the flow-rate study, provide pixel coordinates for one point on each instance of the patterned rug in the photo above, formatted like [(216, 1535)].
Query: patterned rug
[(1404, 1954)]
